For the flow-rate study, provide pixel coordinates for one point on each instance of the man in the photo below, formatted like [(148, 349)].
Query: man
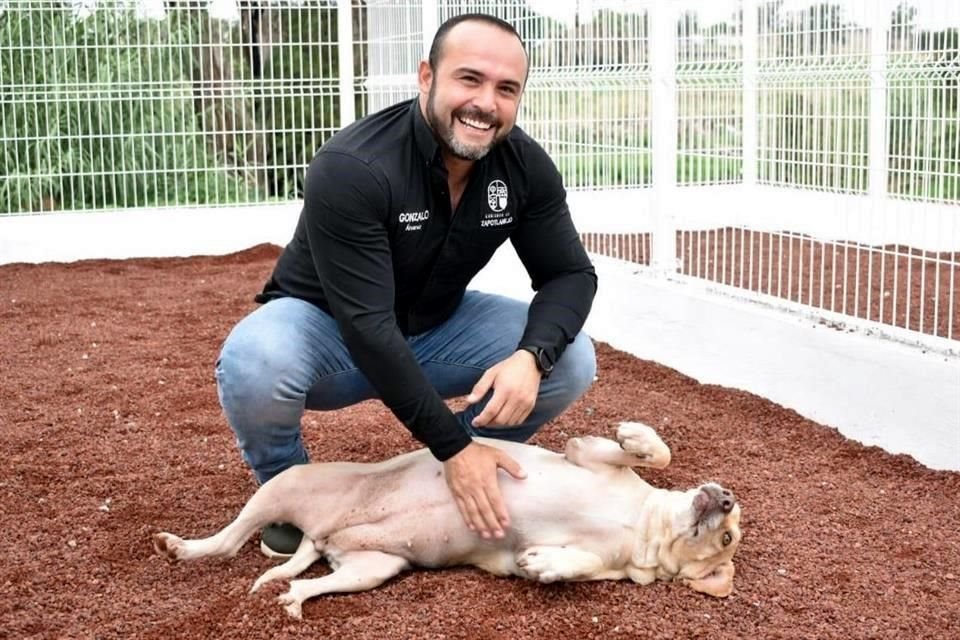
[(368, 300)]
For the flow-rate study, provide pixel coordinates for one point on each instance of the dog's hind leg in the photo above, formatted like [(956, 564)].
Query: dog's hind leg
[(260, 510), (306, 554), (275, 501), (226, 543), (357, 571)]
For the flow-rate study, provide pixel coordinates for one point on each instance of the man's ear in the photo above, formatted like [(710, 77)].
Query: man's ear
[(425, 77)]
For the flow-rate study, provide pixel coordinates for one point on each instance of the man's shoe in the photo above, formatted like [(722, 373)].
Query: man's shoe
[(279, 541)]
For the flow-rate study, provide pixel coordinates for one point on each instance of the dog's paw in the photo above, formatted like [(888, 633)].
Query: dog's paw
[(540, 564), (259, 582), (643, 442), (636, 437), (291, 604), (167, 544)]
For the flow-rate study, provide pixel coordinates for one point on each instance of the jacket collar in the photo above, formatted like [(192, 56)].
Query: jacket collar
[(423, 135), (427, 143)]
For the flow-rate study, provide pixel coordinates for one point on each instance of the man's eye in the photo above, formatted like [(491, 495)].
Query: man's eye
[(727, 538)]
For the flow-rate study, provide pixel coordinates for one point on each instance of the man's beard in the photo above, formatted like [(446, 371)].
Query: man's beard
[(444, 131)]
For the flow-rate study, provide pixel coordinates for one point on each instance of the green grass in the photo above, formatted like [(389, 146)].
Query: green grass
[(597, 171)]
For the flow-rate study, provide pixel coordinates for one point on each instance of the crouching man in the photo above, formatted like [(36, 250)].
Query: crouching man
[(369, 299)]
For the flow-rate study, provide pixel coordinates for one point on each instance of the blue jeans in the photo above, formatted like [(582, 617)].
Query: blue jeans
[(288, 356)]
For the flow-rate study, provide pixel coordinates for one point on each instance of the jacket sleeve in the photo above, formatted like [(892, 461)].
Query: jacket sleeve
[(550, 248), (346, 208)]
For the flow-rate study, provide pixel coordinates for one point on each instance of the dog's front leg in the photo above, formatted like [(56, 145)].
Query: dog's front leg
[(549, 564), (643, 442), (358, 571), (637, 446)]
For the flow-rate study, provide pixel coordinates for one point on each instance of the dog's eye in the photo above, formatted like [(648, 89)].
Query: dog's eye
[(727, 538)]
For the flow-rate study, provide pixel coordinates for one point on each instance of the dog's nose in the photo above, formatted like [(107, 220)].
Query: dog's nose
[(727, 500)]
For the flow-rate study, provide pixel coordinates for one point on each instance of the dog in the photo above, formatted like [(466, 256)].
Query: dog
[(579, 515)]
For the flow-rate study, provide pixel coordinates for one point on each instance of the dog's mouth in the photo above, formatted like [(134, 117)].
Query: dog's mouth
[(709, 538), (707, 572), (711, 503)]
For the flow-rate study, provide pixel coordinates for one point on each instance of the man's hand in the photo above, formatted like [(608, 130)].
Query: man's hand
[(472, 478), (515, 382)]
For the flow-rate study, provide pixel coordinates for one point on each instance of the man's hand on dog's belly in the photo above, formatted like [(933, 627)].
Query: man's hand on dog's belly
[(472, 478)]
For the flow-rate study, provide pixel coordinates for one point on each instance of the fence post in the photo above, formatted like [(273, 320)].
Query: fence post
[(750, 43), (348, 102), (429, 20), (878, 22), (663, 135)]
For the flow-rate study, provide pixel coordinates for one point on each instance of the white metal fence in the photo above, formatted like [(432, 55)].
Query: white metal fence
[(804, 154)]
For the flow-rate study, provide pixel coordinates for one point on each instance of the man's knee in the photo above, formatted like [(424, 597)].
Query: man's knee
[(251, 367), (236, 373), (571, 378)]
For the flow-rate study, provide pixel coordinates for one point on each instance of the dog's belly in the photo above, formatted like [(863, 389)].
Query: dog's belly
[(410, 512)]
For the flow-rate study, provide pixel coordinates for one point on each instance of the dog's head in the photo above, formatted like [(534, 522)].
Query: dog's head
[(705, 535)]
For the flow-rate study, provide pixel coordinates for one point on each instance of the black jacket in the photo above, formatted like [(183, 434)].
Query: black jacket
[(378, 247)]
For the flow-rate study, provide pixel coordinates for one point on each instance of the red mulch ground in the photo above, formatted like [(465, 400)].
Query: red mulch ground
[(893, 285), (111, 431)]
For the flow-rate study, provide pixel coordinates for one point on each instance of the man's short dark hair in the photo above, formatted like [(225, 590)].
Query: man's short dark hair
[(436, 47)]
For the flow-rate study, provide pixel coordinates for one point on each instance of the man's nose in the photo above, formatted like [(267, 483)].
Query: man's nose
[(485, 99)]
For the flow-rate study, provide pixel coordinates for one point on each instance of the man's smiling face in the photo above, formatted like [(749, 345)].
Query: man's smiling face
[(473, 96)]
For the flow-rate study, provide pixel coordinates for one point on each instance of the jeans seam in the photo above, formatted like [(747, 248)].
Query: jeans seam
[(331, 375), (447, 363)]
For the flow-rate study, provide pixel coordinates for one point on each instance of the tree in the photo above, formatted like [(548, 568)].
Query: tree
[(688, 24), (943, 48), (812, 32), (902, 26), (825, 28)]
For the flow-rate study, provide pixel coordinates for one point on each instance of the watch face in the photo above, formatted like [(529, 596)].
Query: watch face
[(541, 358), (543, 361)]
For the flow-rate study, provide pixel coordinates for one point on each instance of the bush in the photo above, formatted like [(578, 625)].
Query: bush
[(104, 115)]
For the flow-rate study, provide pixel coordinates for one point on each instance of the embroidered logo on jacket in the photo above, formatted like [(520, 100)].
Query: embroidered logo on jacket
[(497, 199), (497, 195), (414, 219)]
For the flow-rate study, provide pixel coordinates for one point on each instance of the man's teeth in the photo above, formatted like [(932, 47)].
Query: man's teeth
[(476, 124)]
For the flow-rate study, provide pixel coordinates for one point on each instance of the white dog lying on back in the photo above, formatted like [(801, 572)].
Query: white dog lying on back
[(580, 515)]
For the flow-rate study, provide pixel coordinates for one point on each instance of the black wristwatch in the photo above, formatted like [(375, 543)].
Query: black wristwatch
[(544, 363)]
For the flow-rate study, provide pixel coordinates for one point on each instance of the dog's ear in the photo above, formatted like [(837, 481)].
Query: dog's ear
[(717, 583)]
